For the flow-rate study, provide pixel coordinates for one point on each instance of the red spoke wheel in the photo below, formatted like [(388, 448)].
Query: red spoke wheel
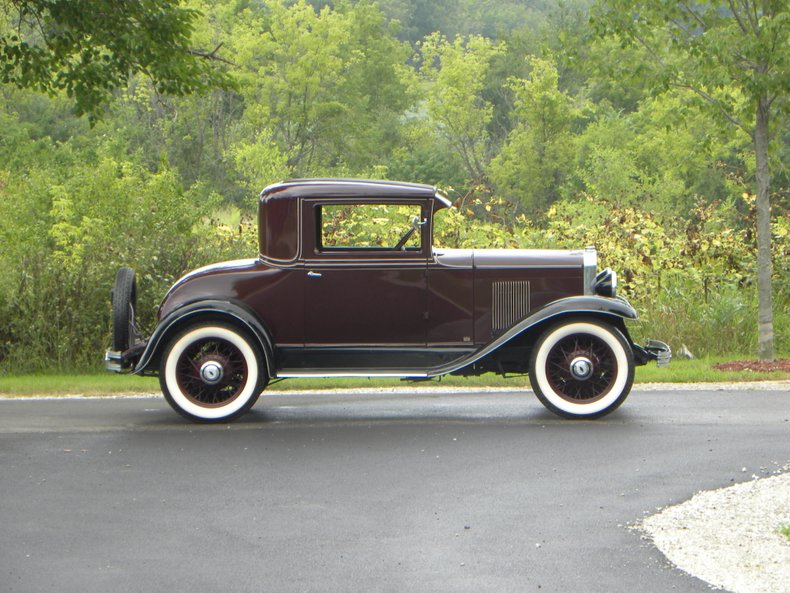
[(212, 373), (582, 369)]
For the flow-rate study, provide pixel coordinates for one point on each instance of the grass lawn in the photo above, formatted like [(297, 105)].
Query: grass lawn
[(102, 383)]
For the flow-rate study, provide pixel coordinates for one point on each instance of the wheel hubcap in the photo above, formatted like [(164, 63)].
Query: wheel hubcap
[(211, 372), (581, 368)]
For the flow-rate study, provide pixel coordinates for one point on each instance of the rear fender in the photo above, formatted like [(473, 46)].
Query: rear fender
[(204, 311)]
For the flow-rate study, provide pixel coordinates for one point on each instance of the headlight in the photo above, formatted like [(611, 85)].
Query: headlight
[(606, 283)]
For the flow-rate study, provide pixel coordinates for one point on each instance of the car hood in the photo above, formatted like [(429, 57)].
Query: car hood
[(509, 258)]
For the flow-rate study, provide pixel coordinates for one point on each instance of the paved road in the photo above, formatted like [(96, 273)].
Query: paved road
[(365, 492)]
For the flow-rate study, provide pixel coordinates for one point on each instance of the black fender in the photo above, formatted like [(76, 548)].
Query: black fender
[(209, 310), (616, 307)]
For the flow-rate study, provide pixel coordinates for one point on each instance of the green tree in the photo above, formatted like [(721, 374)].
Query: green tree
[(90, 48), (457, 72), (734, 57), (326, 87), (537, 154), (660, 157)]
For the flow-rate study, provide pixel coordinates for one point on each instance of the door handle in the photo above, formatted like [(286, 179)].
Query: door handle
[(312, 274)]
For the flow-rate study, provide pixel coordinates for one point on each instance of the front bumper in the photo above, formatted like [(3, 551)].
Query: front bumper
[(653, 350)]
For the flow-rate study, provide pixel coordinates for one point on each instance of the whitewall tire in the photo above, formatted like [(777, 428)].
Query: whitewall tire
[(211, 373), (582, 368)]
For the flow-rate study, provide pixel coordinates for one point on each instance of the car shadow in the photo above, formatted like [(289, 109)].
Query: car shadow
[(398, 408)]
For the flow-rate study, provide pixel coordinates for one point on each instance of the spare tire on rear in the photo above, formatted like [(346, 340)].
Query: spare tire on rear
[(124, 304)]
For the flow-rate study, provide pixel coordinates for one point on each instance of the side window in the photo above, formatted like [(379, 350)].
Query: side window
[(374, 227), (278, 232)]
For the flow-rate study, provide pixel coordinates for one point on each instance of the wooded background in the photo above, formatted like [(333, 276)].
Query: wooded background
[(620, 124)]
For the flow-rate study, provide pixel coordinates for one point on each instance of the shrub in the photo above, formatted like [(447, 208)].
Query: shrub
[(65, 249)]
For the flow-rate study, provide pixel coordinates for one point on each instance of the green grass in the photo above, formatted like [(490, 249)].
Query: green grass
[(680, 371), (785, 531), (700, 370), (68, 384)]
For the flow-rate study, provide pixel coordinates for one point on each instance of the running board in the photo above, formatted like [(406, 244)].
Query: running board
[(329, 373)]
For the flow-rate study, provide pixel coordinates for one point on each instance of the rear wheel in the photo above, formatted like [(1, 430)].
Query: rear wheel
[(212, 373), (124, 304), (582, 369)]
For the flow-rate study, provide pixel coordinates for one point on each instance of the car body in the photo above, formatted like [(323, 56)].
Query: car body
[(348, 283)]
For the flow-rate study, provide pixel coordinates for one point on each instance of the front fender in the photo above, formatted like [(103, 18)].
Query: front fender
[(588, 304), (616, 306), (205, 310)]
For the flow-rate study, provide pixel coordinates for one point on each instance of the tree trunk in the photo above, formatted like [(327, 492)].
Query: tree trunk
[(765, 316)]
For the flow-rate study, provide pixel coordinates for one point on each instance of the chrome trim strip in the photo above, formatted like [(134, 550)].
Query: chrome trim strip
[(286, 374), (351, 182), (384, 347), (279, 265), (419, 262), (362, 262), (530, 266), (590, 267), (219, 266)]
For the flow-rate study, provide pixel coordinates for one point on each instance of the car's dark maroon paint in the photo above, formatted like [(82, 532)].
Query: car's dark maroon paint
[(416, 311)]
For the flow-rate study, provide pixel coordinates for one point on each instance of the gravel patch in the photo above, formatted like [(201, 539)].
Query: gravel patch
[(730, 537)]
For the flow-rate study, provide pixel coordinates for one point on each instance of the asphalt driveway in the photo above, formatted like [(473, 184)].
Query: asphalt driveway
[(366, 492)]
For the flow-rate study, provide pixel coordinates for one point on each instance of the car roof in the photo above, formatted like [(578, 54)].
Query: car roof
[(354, 188)]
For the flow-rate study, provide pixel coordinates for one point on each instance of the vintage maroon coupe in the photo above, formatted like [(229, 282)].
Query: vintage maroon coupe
[(347, 284)]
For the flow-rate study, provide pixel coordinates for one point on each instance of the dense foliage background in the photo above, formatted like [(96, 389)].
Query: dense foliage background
[(542, 132)]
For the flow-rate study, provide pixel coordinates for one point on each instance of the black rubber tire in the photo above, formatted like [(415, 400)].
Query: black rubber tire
[(124, 306), (243, 379), (611, 372)]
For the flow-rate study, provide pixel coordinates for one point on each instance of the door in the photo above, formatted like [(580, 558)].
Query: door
[(365, 274)]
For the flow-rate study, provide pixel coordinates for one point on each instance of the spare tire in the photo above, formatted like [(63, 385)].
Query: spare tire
[(124, 303)]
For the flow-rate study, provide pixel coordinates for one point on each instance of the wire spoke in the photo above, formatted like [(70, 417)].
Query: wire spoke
[(220, 352), (571, 387)]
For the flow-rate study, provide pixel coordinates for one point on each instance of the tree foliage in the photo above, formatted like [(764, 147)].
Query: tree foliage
[(537, 153), (91, 48), (458, 71)]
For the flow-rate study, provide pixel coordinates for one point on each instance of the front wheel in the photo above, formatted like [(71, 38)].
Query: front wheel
[(212, 373), (582, 369)]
